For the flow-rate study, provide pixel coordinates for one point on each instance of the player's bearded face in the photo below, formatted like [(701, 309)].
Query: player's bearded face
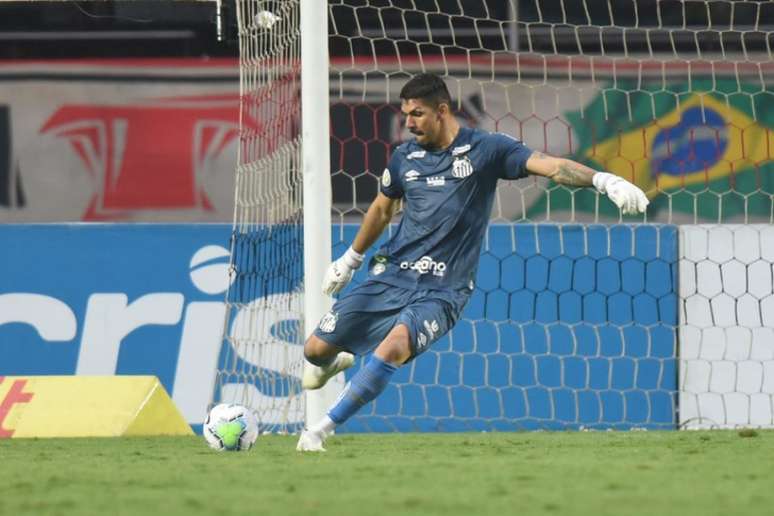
[(423, 121)]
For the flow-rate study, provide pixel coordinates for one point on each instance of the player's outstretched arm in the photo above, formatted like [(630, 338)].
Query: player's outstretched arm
[(377, 217), (628, 197)]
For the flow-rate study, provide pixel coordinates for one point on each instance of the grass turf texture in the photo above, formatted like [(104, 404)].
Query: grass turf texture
[(578, 473)]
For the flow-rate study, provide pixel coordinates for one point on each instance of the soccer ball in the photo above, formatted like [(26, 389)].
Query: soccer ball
[(230, 427)]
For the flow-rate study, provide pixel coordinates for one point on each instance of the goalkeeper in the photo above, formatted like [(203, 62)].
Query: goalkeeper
[(420, 280)]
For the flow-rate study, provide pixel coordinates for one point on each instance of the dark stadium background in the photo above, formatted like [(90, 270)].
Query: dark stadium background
[(362, 133), (178, 28)]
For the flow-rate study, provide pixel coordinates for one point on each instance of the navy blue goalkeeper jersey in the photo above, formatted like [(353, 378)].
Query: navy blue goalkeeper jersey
[(448, 196)]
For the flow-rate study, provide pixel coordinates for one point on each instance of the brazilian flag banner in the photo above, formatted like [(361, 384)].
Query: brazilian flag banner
[(703, 149)]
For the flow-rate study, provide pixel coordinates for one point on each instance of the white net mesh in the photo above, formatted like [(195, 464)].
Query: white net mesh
[(576, 324), (260, 364), (671, 95), (727, 326)]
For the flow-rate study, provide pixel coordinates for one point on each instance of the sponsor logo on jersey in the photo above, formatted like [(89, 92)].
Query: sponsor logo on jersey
[(386, 178), (416, 154), (456, 151), (436, 181), (462, 167), (328, 322), (425, 265), (411, 175), (421, 340)]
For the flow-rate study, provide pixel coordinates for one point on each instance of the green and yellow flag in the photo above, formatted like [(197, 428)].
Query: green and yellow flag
[(708, 151)]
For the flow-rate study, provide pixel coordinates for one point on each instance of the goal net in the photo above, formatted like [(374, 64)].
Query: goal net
[(261, 360), (581, 318)]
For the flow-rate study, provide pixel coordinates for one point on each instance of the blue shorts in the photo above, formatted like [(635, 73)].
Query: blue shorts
[(362, 318)]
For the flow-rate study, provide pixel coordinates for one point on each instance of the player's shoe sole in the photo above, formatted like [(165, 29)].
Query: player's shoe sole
[(310, 442), (315, 377)]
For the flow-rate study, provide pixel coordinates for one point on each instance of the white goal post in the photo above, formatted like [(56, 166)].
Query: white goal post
[(281, 241), (317, 184)]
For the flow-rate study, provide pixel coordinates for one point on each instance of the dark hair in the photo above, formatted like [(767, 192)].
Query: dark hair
[(427, 87)]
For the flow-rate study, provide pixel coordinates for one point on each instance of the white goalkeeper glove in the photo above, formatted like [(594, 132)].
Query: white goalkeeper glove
[(628, 197), (340, 272)]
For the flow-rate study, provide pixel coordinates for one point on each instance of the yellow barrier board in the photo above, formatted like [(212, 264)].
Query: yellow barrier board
[(87, 406)]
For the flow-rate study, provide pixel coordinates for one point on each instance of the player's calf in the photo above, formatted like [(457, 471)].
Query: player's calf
[(371, 380), (318, 352), (396, 347), (317, 376), (363, 387), (323, 361)]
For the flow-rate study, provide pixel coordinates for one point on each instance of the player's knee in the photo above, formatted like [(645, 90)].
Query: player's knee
[(396, 347), (319, 352)]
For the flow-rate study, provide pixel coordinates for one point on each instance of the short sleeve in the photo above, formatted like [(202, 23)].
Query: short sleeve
[(390, 184), (511, 156)]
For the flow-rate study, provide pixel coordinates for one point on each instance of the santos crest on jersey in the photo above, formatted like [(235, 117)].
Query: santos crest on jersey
[(447, 196)]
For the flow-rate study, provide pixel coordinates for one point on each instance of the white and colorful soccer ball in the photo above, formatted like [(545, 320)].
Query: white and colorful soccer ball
[(230, 427)]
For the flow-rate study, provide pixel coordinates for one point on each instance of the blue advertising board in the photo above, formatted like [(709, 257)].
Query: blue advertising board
[(113, 299), (568, 327)]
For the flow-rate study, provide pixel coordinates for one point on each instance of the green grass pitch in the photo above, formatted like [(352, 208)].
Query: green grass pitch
[(572, 473)]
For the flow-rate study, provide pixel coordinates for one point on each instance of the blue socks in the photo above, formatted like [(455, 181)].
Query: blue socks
[(366, 385)]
